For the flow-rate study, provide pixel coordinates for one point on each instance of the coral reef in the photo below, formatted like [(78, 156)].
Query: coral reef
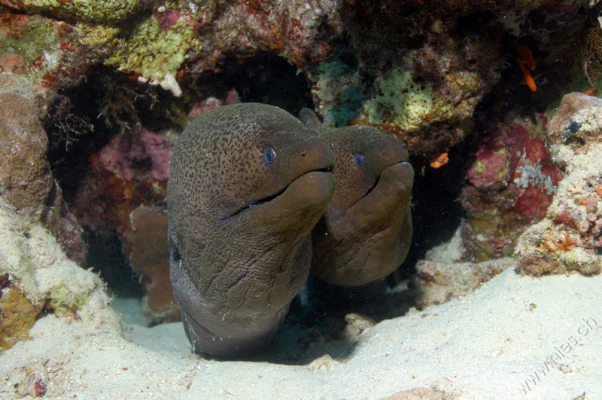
[(435, 66), (511, 183), (37, 274), (432, 109), (569, 238), (592, 48), (59, 220), (39, 55), (25, 176), (195, 36), (128, 172)]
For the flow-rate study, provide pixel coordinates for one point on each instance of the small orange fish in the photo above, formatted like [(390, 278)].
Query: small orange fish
[(526, 56), (527, 74), (439, 160), (590, 92)]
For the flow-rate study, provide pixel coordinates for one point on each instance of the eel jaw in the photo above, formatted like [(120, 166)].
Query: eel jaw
[(269, 198), (376, 182)]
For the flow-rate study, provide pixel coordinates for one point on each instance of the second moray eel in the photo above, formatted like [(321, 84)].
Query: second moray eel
[(366, 231)]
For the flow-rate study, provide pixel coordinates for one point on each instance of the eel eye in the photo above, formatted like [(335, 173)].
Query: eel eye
[(358, 159), (269, 155)]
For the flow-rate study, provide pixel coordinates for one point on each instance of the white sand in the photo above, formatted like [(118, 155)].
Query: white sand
[(484, 346)]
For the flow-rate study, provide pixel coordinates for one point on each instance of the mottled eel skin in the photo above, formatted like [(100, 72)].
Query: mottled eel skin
[(247, 184), (366, 231)]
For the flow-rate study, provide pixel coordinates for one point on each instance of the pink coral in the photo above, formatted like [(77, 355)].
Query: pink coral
[(125, 155)]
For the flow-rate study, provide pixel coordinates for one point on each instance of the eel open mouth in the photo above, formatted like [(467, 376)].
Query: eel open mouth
[(269, 198)]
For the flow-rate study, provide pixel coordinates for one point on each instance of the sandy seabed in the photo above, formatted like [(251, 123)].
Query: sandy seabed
[(516, 337)]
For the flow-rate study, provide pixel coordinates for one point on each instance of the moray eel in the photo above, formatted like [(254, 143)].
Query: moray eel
[(247, 184), (366, 231)]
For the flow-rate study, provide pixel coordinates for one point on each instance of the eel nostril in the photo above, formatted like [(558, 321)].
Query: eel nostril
[(303, 153), (384, 152)]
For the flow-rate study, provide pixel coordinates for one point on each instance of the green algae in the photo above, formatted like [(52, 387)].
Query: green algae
[(145, 49), (407, 102), (31, 42), (480, 167)]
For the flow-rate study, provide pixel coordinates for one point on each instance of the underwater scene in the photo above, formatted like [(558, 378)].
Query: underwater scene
[(321, 199)]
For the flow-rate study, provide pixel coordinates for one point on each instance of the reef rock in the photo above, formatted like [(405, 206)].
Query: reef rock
[(36, 274), (511, 183), (210, 103), (569, 238), (577, 122), (59, 219), (429, 98), (435, 65), (25, 175), (159, 38)]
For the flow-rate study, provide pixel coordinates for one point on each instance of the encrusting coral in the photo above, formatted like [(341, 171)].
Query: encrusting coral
[(511, 183), (569, 238)]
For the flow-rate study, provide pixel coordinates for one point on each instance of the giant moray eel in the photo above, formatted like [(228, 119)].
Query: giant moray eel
[(366, 231), (247, 184)]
